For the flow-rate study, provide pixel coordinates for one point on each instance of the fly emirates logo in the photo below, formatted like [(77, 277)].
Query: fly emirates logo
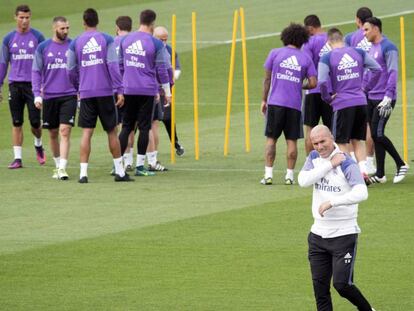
[(135, 50), (90, 47), (347, 64), (290, 65), (323, 185)]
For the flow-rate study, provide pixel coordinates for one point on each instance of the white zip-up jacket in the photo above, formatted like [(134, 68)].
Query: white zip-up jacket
[(343, 187)]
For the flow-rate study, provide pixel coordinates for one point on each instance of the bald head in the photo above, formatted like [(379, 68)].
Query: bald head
[(322, 140), (161, 33), (320, 130)]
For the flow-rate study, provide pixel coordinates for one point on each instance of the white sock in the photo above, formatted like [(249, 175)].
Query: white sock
[(126, 158), (152, 158), (17, 150), (119, 168), (370, 160), (83, 169), (63, 163), (57, 161), (38, 142), (289, 174), (129, 157), (140, 159), (363, 167), (268, 171)]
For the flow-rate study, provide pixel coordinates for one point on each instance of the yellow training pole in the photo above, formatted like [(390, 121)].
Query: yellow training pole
[(173, 48), (404, 90), (230, 86), (195, 85), (246, 85)]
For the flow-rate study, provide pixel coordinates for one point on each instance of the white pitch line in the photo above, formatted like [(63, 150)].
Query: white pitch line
[(273, 34)]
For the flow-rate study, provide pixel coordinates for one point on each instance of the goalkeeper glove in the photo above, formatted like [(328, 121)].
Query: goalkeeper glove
[(384, 107)]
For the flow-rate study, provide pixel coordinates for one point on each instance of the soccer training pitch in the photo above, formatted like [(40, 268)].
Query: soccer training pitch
[(205, 235)]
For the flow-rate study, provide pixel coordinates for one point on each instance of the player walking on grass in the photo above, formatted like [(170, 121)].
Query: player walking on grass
[(162, 112), (382, 98), (144, 61), (93, 65), (343, 69), (124, 27), (55, 93), (162, 34), (338, 187), (314, 107), (358, 39), (285, 70), (18, 49)]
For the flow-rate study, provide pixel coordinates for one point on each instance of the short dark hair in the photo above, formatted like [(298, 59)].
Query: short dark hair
[(147, 17), (22, 8), (312, 20), (124, 23), (90, 17), (294, 34), (363, 14), (334, 34), (375, 21), (59, 19)]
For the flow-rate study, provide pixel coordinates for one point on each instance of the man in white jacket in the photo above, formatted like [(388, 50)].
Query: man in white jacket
[(338, 187)]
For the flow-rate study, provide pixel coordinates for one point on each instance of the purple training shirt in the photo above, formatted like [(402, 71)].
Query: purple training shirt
[(49, 76), (386, 55), (144, 63), (344, 67), (315, 48), (92, 61), (19, 48), (289, 67), (357, 39)]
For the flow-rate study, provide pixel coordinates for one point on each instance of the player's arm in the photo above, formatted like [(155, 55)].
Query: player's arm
[(112, 61), (161, 65), (177, 71), (4, 62), (266, 88), (310, 174), (323, 78), (357, 194), (72, 65), (391, 59), (37, 77), (121, 57)]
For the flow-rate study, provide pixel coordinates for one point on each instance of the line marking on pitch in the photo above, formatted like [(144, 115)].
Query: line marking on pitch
[(272, 34)]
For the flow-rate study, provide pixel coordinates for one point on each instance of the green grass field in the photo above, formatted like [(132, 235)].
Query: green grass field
[(205, 235)]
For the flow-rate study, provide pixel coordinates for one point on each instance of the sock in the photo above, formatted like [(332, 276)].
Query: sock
[(370, 160), (38, 142), (126, 158), (289, 174), (119, 169), (363, 167), (268, 171), (152, 158), (140, 159), (57, 160), (17, 150), (63, 163), (129, 157), (83, 169)]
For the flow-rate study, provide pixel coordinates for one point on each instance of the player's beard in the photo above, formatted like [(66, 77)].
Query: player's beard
[(61, 37)]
